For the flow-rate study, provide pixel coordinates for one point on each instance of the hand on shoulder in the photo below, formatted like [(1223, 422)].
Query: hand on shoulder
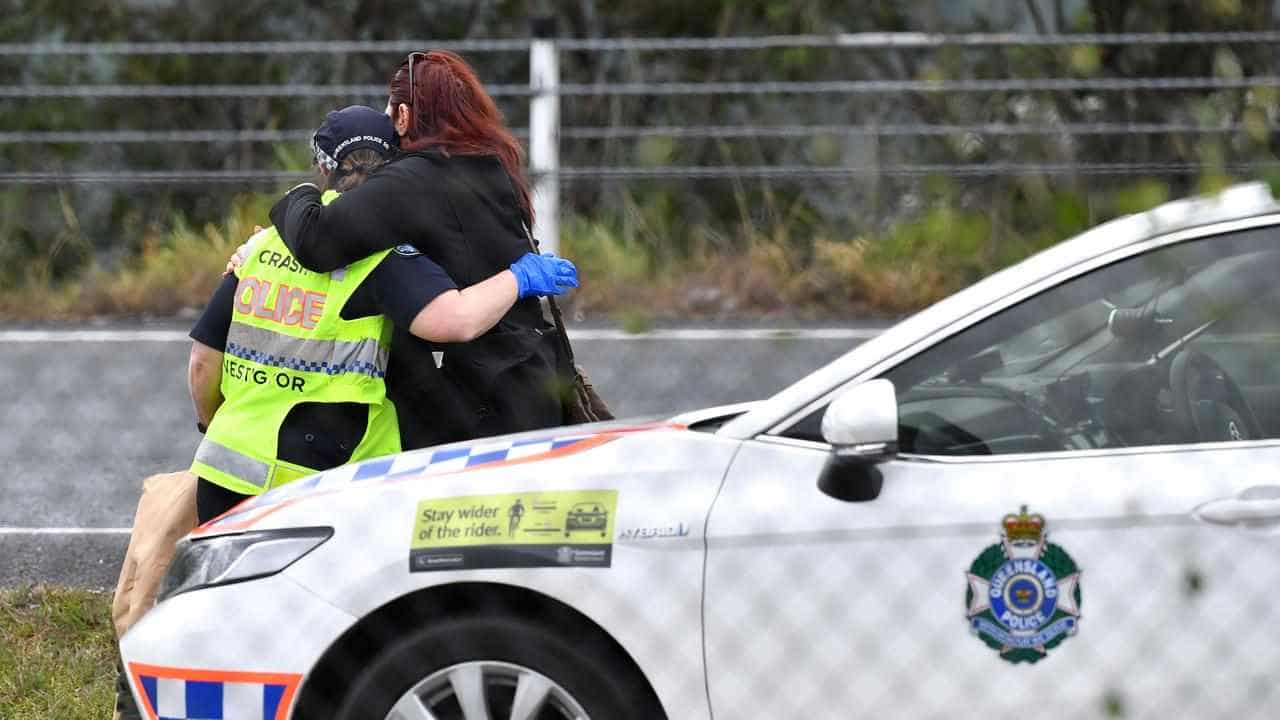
[(236, 261)]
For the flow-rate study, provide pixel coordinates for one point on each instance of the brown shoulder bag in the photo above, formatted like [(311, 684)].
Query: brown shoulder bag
[(580, 403)]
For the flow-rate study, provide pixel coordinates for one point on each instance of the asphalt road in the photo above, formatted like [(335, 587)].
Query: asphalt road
[(83, 421)]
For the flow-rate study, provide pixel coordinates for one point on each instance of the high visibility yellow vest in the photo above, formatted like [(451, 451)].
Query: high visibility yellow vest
[(288, 344)]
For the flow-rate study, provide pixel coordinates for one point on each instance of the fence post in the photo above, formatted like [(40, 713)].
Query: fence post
[(544, 132)]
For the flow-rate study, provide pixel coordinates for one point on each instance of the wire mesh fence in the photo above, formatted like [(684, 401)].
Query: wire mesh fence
[(675, 148), (666, 570), (736, 584), (1055, 96)]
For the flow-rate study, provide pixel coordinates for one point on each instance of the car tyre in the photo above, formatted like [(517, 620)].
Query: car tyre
[(584, 668)]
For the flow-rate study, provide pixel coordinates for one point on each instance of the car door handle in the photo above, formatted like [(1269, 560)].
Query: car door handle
[(1240, 511)]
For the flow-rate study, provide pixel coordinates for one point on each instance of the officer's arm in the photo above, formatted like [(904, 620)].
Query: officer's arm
[(204, 380), (464, 315)]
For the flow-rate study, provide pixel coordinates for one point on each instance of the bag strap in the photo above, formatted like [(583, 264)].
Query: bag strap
[(556, 316)]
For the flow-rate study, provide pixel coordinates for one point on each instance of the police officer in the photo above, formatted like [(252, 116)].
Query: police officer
[(288, 367), (295, 362)]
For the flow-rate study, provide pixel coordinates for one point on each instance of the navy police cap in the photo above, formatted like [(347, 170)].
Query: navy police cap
[(353, 128)]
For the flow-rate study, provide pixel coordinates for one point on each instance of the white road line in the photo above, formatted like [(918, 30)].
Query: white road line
[(681, 334), (92, 336), (64, 531)]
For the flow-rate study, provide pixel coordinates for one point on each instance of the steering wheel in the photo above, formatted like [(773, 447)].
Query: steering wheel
[(1207, 403)]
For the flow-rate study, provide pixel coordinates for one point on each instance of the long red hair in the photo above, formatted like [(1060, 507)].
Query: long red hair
[(452, 112)]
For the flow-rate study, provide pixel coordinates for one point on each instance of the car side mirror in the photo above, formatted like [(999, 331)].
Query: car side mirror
[(861, 424), (863, 421)]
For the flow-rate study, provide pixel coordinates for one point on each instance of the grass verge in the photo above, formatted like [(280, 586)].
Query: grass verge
[(644, 261), (57, 654)]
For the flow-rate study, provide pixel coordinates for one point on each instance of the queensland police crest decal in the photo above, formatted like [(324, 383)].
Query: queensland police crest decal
[(1024, 592)]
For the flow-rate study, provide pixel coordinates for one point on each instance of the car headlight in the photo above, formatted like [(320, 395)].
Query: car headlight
[(209, 562)]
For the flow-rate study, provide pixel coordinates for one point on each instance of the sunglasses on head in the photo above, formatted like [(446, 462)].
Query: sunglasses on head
[(413, 91)]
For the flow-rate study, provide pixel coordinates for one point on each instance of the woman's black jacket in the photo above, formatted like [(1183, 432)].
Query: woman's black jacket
[(461, 211)]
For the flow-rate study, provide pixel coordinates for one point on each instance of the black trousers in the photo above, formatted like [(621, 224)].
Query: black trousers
[(125, 705), (213, 500)]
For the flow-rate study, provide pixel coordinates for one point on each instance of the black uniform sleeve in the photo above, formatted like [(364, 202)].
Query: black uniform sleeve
[(405, 282), (390, 208), (214, 323)]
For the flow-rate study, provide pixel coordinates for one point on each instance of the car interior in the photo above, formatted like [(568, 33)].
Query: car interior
[(1177, 345)]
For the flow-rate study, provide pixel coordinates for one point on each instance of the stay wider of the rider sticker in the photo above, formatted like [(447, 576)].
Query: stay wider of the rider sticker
[(572, 528), (1023, 595)]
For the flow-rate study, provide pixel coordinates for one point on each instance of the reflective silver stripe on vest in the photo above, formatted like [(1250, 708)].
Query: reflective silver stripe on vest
[(330, 357), (239, 465)]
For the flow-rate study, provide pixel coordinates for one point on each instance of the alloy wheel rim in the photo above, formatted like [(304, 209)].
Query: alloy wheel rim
[(487, 690)]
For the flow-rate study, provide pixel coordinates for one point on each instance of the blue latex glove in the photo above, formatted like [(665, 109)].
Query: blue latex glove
[(543, 275)]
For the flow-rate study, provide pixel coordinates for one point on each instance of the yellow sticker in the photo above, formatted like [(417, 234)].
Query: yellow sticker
[(538, 529)]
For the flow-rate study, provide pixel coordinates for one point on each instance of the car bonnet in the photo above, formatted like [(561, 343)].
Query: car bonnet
[(462, 457)]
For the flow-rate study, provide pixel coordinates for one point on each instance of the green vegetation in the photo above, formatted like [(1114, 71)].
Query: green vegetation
[(646, 262), (57, 654), (176, 268), (885, 241), (782, 261)]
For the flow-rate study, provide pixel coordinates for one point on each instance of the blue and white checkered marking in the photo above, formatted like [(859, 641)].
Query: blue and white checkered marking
[(175, 699), (431, 461), (359, 366), (452, 459)]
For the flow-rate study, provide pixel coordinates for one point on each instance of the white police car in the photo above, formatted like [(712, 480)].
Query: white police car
[(1055, 493)]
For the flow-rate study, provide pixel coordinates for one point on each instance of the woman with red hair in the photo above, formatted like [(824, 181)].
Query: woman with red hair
[(458, 195)]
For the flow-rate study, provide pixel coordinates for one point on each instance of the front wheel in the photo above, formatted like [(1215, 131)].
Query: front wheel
[(498, 668)]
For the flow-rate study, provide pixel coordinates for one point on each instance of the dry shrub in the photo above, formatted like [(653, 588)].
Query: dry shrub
[(175, 272)]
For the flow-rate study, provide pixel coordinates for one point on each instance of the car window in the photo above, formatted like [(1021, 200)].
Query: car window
[(1172, 346), (1177, 345)]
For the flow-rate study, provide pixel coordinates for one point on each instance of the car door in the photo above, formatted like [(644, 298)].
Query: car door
[(1081, 523)]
